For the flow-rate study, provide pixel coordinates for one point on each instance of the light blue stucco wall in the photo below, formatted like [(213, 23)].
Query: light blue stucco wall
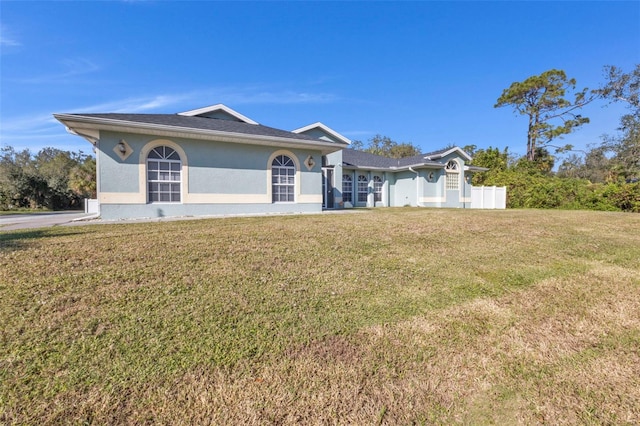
[(404, 190), (116, 175), (213, 168)]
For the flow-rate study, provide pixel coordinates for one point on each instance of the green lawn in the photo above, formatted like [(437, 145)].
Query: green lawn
[(390, 316)]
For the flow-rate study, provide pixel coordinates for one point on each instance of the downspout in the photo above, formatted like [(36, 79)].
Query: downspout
[(369, 188), (464, 192), (417, 188), (386, 184)]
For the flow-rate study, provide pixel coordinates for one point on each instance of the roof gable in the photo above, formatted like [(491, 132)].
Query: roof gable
[(220, 112), (321, 131), (444, 152)]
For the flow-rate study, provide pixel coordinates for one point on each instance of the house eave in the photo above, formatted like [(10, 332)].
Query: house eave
[(444, 154), (85, 125), (393, 168)]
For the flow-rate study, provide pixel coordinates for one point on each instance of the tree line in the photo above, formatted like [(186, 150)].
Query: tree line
[(50, 179), (605, 177)]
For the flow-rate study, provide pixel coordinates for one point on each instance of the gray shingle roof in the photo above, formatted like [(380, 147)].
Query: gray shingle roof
[(434, 153), (360, 159), (201, 123)]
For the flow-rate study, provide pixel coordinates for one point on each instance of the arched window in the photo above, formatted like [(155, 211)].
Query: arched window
[(452, 175), (363, 188), (347, 188), (164, 175), (377, 188), (283, 179)]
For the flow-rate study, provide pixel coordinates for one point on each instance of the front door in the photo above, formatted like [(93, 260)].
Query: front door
[(327, 189)]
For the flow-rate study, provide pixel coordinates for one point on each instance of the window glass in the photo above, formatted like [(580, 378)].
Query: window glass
[(164, 175), (283, 179), (363, 188), (347, 188), (452, 175), (377, 188)]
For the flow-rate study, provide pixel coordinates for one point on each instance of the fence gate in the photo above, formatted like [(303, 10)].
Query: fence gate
[(489, 197)]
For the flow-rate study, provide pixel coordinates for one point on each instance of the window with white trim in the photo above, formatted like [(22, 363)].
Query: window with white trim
[(363, 188), (377, 188), (452, 175), (347, 188), (164, 176), (283, 179)]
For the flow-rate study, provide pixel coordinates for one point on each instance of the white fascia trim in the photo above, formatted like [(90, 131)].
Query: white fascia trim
[(326, 129), (80, 124), (373, 169), (444, 154), (421, 166), (218, 107)]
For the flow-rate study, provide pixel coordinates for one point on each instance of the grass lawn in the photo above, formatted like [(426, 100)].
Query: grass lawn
[(393, 316)]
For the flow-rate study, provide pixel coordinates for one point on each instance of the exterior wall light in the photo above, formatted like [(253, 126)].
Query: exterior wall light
[(309, 162), (122, 149)]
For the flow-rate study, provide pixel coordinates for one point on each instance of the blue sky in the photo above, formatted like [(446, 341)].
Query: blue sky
[(427, 73)]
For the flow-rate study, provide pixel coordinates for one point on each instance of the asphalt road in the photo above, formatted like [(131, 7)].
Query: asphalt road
[(38, 220)]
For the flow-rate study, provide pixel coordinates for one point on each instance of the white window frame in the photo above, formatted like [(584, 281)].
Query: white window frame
[(283, 177), (377, 188), (347, 182), (452, 176), (363, 189), (164, 170)]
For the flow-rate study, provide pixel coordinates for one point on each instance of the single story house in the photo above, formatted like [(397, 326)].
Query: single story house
[(216, 161)]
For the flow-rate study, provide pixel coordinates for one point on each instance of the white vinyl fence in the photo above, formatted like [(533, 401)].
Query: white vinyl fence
[(489, 197), (91, 206)]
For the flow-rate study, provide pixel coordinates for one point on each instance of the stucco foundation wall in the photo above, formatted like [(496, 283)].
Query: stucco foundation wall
[(126, 211)]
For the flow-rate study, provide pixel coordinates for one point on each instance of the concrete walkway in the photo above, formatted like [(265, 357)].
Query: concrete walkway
[(12, 222)]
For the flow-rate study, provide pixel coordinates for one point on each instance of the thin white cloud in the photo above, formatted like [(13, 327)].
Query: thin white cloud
[(134, 105), (72, 69), (25, 124), (43, 125), (6, 38), (199, 98), (4, 41)]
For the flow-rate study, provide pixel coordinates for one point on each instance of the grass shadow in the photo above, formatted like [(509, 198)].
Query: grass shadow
[(17, 240)]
